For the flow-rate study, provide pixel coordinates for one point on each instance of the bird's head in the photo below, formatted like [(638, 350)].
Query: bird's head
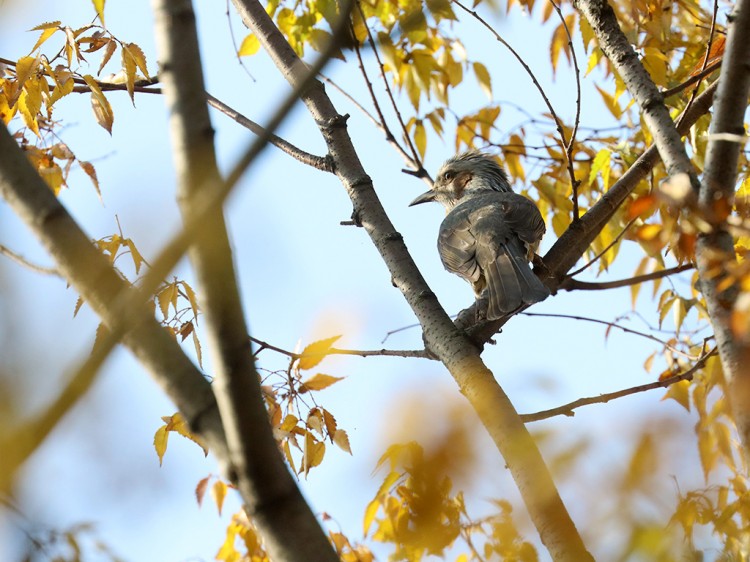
[(463, 176)]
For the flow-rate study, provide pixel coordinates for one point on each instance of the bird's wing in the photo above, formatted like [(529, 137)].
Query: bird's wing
[(457, 247), (523, 218)]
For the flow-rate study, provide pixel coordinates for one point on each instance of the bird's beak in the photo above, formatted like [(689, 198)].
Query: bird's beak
[(424, 198)]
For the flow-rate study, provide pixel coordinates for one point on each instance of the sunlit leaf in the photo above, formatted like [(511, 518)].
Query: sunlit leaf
[(249, 46), (160, 442), (315, 353), (219, 493), (341, 439), (48, 30), (483, 77), (100, 104), (99, 7)]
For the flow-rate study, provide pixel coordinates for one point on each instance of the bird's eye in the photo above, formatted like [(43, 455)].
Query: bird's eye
[(448, 176)]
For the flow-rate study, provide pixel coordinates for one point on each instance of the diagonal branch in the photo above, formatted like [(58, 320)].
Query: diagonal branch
[(568, 409), (623, 57), (459, 355), (254, 463)]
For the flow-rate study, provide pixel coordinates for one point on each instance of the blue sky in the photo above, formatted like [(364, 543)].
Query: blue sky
[(303, 277)]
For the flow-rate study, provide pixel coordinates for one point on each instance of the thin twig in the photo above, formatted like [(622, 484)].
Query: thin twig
[(570, 144), (27, 264), (389, 92), (318, 162), (420, 353), (525, 66), (707, 56), (567, 409), (666, 345), (418, 169), (570, 284), (605, 250), (692, 80)]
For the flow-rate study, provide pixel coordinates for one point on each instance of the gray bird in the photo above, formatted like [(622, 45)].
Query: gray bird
[(489, 234)]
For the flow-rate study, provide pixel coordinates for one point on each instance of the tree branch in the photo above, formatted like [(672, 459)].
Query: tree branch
[(318, 162), (573, 243), (620, 52), (460, 356), (570, 284), (568, 409), (420, 353), (254, 462), (26, 263), (121, 308), (715, 250)]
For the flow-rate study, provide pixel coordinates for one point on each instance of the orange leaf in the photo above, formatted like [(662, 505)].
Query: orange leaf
[(200, 490), (641, 206)]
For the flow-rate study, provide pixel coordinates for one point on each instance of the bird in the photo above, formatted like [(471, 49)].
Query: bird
[(489, 234)]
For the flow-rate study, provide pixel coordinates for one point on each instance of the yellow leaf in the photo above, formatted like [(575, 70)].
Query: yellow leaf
[(108, 52), (178, 424), (53, 175), (167, 296), (315, 352), (100, 104), (48, 30), (601, 164), (341, 439), (197, 346), (25, 67), (99, 7), (318, 382), (483, 77), (372, 510), (137, 258), (420, 138), (219, 492), (129, 67), (160, 442), (192, 299), (249, 46), (611, 102), (680, 393), (313, 453), (29, 109)]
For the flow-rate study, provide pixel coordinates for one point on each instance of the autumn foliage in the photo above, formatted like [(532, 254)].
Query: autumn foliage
[(415, 61)]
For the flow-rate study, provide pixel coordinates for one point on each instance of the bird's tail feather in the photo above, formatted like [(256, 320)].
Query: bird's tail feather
[(511, 284)]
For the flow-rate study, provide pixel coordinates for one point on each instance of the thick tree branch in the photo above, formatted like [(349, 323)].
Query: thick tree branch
[(460, 357), (121, 308), (620, 52), (254, 464), (715, 250)]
